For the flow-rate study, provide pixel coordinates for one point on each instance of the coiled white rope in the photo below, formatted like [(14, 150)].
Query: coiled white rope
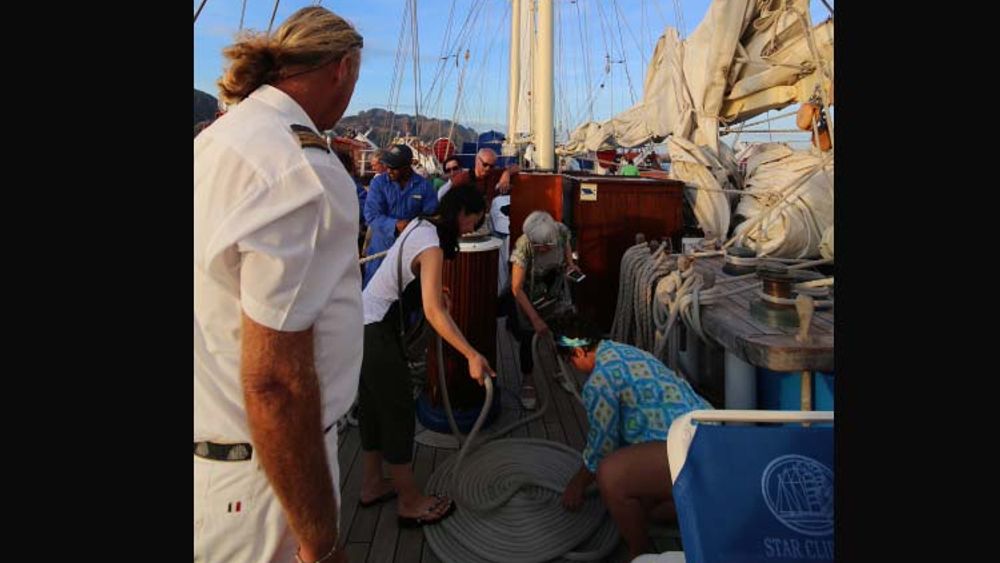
[(509, 492)]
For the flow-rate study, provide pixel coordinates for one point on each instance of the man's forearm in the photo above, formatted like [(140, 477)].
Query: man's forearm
[(282, 396)]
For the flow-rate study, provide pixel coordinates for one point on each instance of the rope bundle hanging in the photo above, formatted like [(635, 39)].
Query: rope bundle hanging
[(621, 327), (669, 291), (659, 264)]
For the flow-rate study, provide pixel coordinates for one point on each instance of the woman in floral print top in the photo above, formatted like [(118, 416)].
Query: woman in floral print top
[(631, 399)]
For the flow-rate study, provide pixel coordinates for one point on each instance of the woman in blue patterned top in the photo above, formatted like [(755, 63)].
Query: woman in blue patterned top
[(631, 399)]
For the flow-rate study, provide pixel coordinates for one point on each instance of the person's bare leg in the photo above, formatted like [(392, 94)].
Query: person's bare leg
[(628, 479), (372, 484), (413, 503), (663, 513)]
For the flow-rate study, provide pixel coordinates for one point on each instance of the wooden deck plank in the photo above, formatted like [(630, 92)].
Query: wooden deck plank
[(348, 449), (363, 527), (428, 555), (351, 489), (386, 533), (409, 546), (357, 552)]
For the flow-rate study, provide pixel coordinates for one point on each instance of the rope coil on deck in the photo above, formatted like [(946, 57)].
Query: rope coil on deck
[(508, 492)]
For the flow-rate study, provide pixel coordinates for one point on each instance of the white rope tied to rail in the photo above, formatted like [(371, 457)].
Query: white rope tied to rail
[(708, 291), (668, 291), (622, 327), (509, 494), (659, 264)]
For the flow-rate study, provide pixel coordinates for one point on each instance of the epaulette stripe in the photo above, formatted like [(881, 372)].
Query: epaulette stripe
[(309, 138)]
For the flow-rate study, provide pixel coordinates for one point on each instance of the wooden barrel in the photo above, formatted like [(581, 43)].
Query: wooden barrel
[(471, 280)]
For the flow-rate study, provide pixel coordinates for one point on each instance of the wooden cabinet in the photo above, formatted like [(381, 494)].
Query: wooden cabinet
[(604, 214)]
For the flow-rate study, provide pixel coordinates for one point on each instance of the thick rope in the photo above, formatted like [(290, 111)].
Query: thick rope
[(660, 265), (371, 257), (624, 311), (509, 493), (688, 302)]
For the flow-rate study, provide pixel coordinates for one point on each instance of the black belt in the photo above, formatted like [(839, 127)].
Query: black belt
[(230, 452), (223, 452)]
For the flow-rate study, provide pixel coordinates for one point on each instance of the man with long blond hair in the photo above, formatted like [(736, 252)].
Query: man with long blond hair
[(277, 309)]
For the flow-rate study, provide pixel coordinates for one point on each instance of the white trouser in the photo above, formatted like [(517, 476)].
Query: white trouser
[(503, 269), (237, 516)]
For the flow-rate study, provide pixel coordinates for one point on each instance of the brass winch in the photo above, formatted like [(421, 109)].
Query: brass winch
[(775, 302)]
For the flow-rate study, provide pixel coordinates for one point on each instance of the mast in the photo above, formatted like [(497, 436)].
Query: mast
[(544, 131), (514, 82)]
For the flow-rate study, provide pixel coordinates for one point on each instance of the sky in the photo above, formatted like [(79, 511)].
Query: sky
[(588, 34)]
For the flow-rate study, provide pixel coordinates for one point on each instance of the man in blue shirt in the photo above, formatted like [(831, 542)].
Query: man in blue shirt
[(394, 198)]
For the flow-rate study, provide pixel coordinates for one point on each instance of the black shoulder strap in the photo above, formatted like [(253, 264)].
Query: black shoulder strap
[(399, 275)]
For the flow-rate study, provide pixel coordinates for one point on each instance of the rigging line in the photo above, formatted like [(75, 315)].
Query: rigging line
[(398, 70), (608, 50), (679, 16), (482, 76), (644, 30), (243, 13), (663, 17), (415, 36), (458, 97), (442, 59), (586, 55), (621, 42), (273, 13), (479, 65), (462, 40), (604, 33), (562, 115), (198, 12), (471, 21), (486, 66), (501, 78), (577, 90), (389, 101), (447, 29), (828, 7), (467, 26), (590, 99), (632, 35)]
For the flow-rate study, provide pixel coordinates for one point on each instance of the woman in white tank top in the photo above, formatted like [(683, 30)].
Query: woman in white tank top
[(386, 413)]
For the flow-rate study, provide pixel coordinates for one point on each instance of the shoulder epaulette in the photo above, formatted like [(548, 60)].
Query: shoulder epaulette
[(309, 138)]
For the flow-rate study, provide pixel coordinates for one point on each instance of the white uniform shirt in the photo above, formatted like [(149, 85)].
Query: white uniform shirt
[(275, 229), (383, 289)]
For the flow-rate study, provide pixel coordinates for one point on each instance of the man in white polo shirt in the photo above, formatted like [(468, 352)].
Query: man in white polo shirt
[(278, 318)]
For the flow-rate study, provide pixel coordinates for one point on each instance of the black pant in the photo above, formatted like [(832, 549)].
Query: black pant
[(386, 408)]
